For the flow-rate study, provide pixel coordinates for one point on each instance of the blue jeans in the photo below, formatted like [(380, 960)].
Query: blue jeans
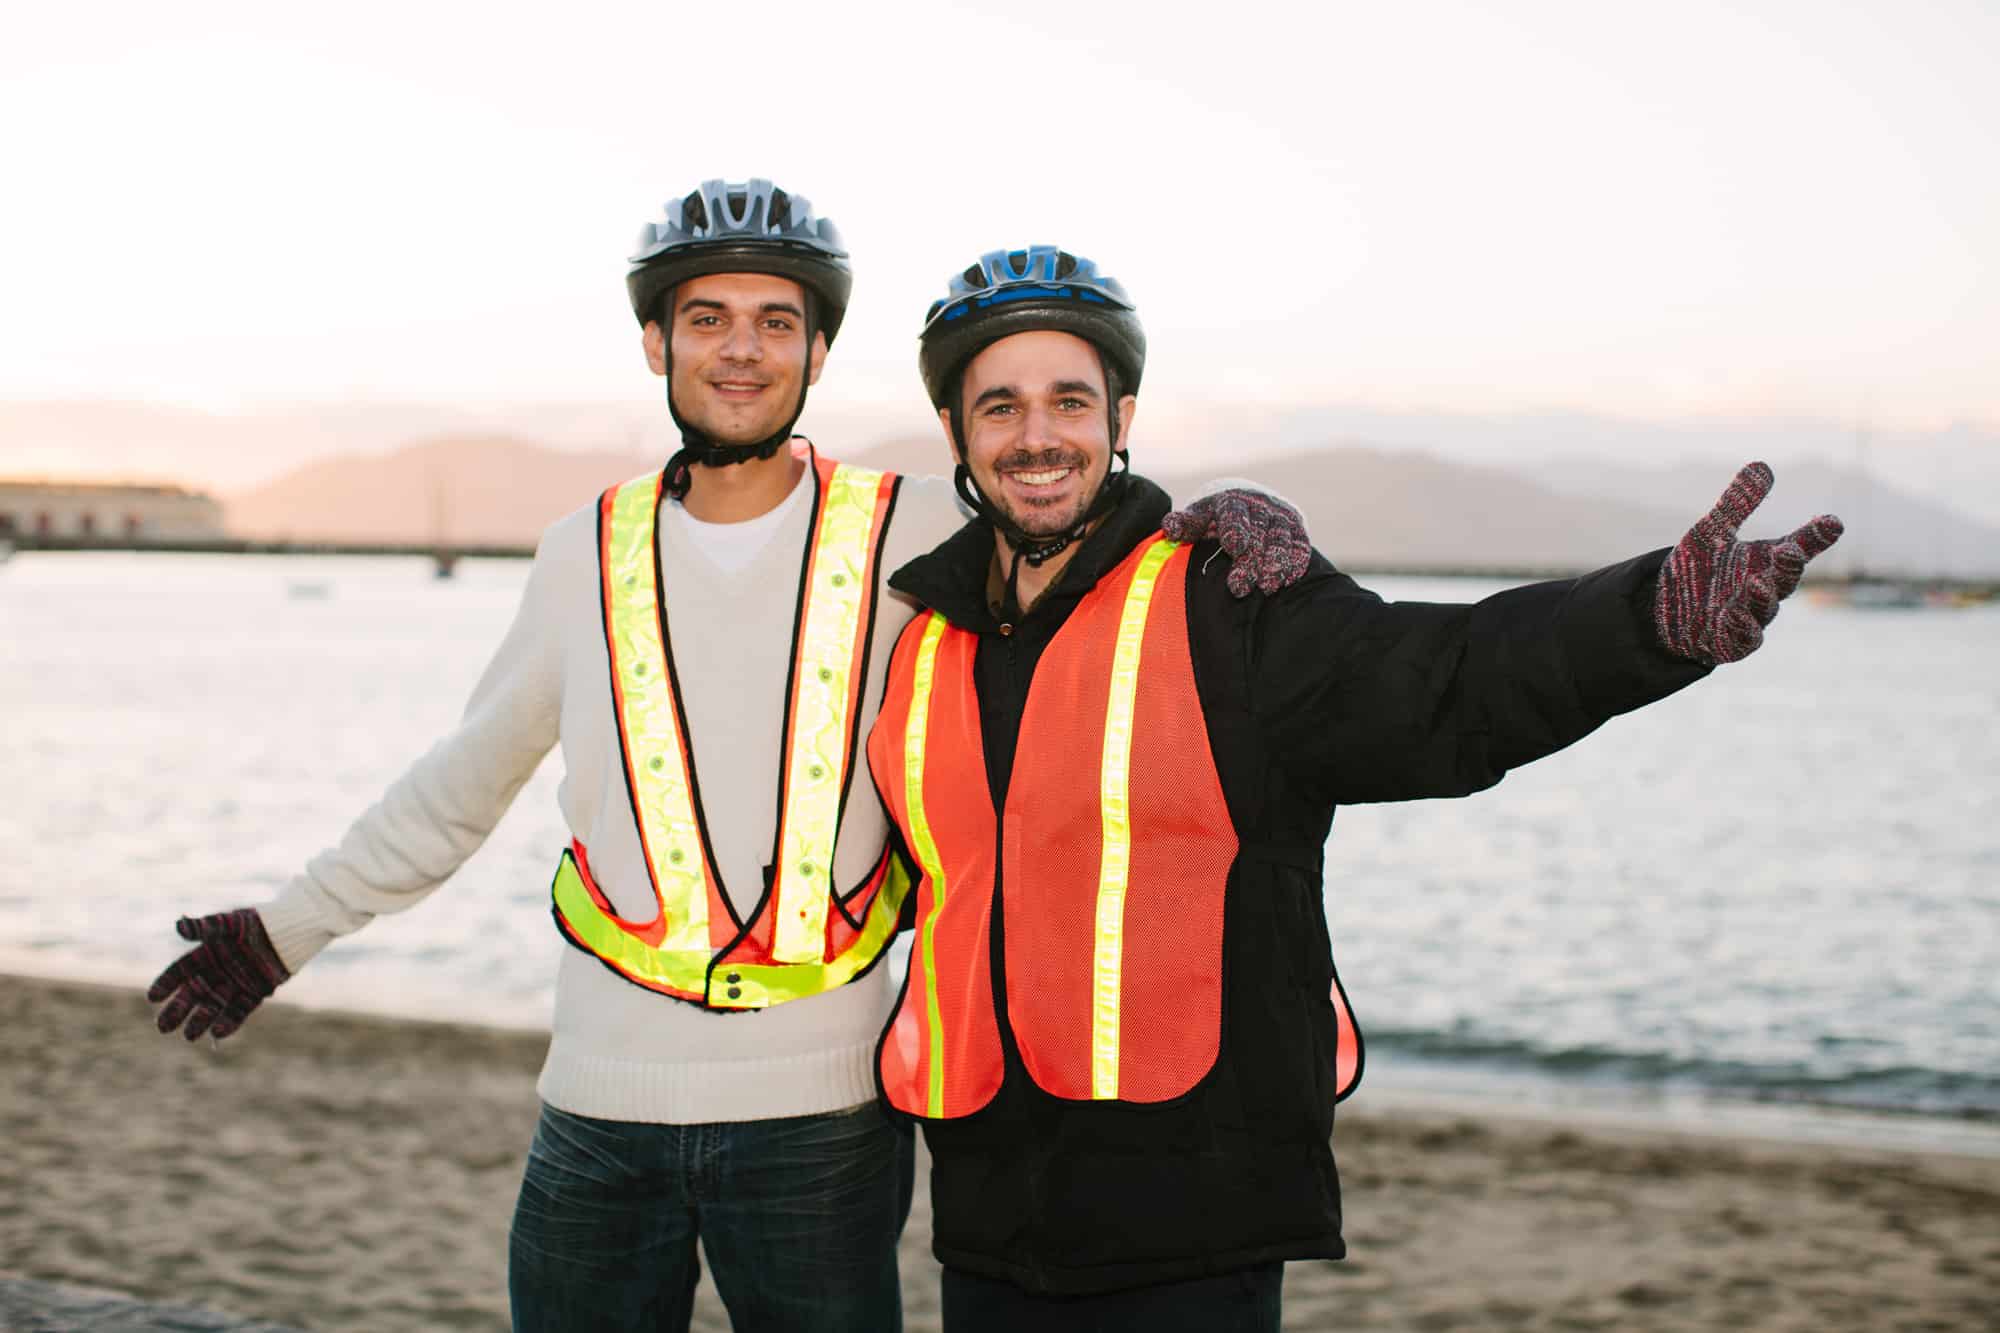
[(799, 1218)]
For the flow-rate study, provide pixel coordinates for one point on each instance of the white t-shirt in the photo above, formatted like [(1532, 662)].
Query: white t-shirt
[(732, 546)]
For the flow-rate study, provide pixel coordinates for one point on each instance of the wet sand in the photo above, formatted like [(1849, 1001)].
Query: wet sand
[(343, 1173)]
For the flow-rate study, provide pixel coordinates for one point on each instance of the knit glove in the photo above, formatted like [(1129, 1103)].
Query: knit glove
[(1716, 593), (216, 984), (1265, 537)]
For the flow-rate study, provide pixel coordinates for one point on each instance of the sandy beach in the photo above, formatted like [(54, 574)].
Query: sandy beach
[(336, 1172)]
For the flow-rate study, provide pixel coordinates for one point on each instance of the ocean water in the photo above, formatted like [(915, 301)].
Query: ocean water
[(1779, 888)]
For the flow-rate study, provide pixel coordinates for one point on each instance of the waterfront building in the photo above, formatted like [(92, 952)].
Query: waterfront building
[(110, 512)]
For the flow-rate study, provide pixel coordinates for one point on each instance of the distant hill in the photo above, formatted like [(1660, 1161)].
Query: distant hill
[(1888, 530), (1373, 507), (912, 455), (1956, 466), (110, 440), (1367, 507), (465, 490), (232, 452)]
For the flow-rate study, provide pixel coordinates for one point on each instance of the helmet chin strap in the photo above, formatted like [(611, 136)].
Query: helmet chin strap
[(1039, 548), (698, 447), (1033, 548)]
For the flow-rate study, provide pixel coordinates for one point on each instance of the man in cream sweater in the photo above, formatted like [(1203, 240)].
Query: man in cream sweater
[(696, 641)]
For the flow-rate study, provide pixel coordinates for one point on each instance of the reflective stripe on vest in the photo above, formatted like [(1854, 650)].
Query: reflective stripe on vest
[(1114, 798), (800, 943), (940, 1056), (586, 917), (1116, 846)]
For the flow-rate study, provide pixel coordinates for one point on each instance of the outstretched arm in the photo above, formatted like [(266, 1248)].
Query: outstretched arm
[(1364, 700), (425, 826), (1374, 701)]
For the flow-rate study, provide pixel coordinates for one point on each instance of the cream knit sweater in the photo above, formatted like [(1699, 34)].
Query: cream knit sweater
[(618, 1051)]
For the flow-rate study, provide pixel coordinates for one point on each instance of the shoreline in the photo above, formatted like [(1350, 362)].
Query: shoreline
[(335, 1171), (1643, 1110), (1391, 1085)]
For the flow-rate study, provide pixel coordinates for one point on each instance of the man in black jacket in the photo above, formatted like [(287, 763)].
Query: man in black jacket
[(1122, 1029)]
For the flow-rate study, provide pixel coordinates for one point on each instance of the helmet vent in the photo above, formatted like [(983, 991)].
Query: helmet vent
[(747, 227), (1016, 291), (740, 209)]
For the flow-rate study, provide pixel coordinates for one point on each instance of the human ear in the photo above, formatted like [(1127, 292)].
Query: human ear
[(1128, 408), (655, 342), (817, 359)]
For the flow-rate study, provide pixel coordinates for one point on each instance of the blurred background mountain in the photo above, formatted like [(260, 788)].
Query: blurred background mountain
[(1368, 507), (1410, 490)]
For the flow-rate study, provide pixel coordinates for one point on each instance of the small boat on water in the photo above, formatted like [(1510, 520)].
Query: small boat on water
[(1863, 594)]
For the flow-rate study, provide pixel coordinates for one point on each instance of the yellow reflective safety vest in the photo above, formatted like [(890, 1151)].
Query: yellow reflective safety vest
[(806, 936)]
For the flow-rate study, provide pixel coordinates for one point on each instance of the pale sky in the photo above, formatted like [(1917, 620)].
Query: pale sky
[(1785, 208)]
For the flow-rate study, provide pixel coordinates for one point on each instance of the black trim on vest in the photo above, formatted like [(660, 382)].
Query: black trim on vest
[(604, 595), (898, 847), (687, 736), (747, 924), (877, 876), (562, 926), (743, 925), (857, 750)]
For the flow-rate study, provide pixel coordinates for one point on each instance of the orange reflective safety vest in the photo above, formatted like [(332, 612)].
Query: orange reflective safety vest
[(806, 937), (1114, 850)]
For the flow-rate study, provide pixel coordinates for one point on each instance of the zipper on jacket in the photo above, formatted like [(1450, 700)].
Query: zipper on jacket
[(997, 940), (1009, 1044)]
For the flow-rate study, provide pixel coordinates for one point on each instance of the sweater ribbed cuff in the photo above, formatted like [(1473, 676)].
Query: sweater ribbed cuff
[(295, 928)]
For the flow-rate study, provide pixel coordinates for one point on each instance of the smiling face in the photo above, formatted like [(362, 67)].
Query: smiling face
[(1037, 427), (740, 356)]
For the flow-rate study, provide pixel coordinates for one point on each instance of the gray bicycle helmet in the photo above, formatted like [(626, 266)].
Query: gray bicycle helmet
[(752, 227), (1017, 291)]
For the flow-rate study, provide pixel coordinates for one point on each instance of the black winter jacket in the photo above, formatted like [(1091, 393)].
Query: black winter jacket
[(1317, 696)]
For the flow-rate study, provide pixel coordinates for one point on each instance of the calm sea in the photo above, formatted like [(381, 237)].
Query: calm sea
[(1779, 889)]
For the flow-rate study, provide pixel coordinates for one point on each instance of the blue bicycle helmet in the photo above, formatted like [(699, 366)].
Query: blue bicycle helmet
[(1017, 291), (753, 227), (1022, 291)]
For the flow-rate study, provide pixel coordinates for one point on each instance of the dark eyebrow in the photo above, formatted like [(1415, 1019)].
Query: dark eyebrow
[(768, 308), (998, 391), (1079, 388)]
